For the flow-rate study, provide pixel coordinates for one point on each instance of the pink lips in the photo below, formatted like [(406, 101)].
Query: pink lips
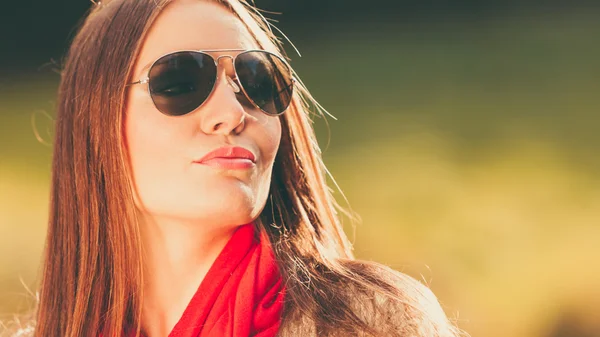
[(229, 157)]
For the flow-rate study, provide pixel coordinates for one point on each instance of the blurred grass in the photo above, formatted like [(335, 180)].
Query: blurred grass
[(467, 147)]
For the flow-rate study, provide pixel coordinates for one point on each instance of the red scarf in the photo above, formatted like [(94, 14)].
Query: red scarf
[(241, 295)]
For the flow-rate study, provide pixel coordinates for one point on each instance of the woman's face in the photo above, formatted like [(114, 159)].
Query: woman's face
[(163, 150)]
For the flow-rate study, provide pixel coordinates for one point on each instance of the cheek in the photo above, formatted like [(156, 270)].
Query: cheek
[(269, 141), (268, 138), (152, 143), (147, 140), (271, 138)]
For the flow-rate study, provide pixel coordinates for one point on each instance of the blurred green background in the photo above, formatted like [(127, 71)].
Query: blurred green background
[(466, 139)]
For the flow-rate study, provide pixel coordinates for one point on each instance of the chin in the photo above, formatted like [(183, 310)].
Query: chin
[(220, 204), (232, 208)]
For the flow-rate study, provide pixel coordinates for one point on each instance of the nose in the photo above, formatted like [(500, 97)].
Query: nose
[(222, 113)]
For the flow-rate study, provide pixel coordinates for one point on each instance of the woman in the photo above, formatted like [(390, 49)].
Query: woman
[(188, 192)]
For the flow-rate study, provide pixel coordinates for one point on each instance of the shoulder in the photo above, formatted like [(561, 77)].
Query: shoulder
[(370, 299), (397, 303)]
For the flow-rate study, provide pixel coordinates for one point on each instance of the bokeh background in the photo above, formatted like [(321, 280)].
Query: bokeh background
[(466, 139)]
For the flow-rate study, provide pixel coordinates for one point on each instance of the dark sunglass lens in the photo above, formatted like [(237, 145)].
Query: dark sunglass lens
[(266, 79), (181, 82)]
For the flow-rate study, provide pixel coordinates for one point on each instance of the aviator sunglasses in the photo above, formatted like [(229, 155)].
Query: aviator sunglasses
[(181, 81)]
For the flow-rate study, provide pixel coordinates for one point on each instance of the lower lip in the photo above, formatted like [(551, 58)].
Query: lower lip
[(229, 163)]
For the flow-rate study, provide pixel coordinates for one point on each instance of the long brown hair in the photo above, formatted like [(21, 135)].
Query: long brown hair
[(92, 272)]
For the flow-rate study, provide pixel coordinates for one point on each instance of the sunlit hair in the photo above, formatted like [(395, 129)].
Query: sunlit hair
[(92, 272)]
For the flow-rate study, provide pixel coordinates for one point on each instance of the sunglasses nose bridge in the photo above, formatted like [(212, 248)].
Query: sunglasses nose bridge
[(218, 60), (229, 68)]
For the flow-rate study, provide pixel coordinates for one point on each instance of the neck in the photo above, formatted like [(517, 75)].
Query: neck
[(177, 256)]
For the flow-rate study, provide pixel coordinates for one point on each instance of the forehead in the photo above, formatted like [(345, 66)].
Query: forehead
[(193, 25)]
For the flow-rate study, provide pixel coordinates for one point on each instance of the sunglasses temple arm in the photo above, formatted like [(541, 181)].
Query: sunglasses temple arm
[(144, 81)]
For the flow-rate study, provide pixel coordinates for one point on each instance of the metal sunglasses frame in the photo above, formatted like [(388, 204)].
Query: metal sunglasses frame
[(146, 79)]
